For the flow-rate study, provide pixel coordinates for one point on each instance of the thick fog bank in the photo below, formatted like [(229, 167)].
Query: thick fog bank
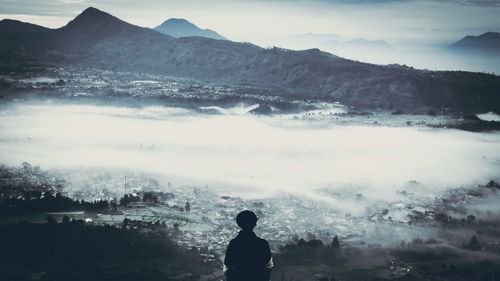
[(246, 152)]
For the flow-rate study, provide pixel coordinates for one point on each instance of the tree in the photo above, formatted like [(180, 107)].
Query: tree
[(473, 244), (48, 195), (150, 197), (51, 220), (471, 218), (124, 200), (336, 243), (66, 220), (493, 184), (26, 168)]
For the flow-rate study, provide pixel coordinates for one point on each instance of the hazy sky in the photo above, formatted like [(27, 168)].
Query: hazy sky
[(269, 22)]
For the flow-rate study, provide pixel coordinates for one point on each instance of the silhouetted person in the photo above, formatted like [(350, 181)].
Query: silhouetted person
[(248, 257)]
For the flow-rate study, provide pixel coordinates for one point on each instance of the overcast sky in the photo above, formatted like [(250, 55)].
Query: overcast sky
[(268, 23)]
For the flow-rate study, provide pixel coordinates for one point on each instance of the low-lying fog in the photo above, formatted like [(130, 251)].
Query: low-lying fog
[(250, 155)]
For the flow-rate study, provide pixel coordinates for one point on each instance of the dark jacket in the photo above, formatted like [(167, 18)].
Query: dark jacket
[(248, 258)]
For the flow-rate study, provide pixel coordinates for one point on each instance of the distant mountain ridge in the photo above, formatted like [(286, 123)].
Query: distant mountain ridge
[(488, 42), (99, 40), (375, 43), (360, 43), (183, 28)]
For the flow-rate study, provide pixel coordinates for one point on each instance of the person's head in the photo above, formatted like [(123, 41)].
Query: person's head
[(247, 220)]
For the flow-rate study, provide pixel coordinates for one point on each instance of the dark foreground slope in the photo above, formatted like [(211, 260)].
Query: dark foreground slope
[(75, 251), (97, 39)]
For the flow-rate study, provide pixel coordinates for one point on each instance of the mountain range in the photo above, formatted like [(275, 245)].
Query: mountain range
[(359, 44), (487, 43), (97, 39), (183, 28)]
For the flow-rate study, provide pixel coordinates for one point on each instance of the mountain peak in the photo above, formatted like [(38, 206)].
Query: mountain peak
[(91, 17), (92, 10), (93, 13), (177, 21), (178, 27), (490, 34)]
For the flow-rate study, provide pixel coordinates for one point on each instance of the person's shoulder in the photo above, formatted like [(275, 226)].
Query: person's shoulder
[(262, 240)]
